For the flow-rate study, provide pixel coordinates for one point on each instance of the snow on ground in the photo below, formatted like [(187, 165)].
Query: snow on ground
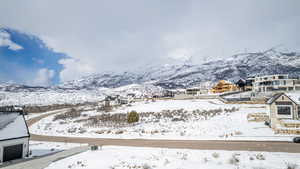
[(224, 126), (39, 148), (240, 95), (49, 97), (33, 115), (188, 105), (139, 90), (112, 157)]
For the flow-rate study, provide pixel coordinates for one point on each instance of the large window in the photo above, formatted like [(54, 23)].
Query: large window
[(283, 110)]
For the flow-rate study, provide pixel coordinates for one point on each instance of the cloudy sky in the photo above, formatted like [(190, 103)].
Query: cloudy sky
[(98, 35)]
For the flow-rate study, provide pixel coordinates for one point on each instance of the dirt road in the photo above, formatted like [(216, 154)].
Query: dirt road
[(270, 146)]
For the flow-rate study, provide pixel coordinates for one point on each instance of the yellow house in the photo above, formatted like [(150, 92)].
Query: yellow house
[(223, 86)]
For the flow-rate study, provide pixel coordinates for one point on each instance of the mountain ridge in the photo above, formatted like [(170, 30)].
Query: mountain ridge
[(272, 61)]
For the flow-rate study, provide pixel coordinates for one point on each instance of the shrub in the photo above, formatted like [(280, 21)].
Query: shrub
[(291, 166), (260, 157), (234, 160), (146, 166), (216, 155), (133, 117), (72, 113)]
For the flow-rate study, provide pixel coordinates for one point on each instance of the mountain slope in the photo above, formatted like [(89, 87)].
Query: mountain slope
[(272, 61), (186, 75)]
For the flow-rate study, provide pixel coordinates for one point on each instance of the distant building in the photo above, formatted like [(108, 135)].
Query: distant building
[(196, 91), (192, 91), (249, 83), (282, 108), (169, 93), (271, 83), (14, 135), (241, 84), (223, 86)]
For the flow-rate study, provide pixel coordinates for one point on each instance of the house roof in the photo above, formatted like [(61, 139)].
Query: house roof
[(295, 96), (276, 96), (12, 125)]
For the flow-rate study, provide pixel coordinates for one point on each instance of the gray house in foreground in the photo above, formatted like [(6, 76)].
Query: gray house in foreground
[(283, 110), (14, 136)]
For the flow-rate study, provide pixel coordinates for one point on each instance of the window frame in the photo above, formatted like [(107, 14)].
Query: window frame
[(284, 115)]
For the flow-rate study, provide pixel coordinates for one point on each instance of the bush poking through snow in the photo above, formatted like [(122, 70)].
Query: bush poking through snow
[(146, 166), (108, 120), (234, 160), (291, 166), (133, 117), (260, 157), (216, 155), (71, 114)]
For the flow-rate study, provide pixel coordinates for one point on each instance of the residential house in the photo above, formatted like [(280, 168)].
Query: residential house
[(223, 86), (192, 91), (274, 83), (241, 84), (249, 83), (14, 135), (282, 111), (169, 93)]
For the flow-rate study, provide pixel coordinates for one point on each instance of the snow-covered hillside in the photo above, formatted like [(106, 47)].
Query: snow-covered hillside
[(154, 79), (26, 95), (272, 61), (49, 97)]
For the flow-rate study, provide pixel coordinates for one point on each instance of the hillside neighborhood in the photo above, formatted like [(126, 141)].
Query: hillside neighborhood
[(147, 84), (260, 108)]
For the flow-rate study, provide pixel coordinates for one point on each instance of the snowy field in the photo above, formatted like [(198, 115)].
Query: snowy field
[(185, 125), (49, 97), (39, 148), (111, 157)]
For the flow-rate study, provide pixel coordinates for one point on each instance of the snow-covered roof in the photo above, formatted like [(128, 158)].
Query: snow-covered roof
[(12, 125), (274, 98), (277, 95), (295, 96)]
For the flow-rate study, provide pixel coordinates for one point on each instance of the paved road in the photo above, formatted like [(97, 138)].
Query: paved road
[(43, 162), (269, 146)]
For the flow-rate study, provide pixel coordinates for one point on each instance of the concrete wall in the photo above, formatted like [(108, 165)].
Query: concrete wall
[(204, 96), (23, 141)]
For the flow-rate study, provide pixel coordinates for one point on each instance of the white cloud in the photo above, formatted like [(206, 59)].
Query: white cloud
[(109, 35), (74, 69), (43, 77), (6, 41)]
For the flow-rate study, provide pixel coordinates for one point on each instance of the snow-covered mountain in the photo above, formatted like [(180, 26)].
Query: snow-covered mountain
[(272, 61)]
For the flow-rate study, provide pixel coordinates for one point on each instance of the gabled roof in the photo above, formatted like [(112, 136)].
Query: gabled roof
[(12, 125), (276, 96)]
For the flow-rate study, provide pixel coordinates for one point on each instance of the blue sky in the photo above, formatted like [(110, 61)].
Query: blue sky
[(126, 35), (30, 62)]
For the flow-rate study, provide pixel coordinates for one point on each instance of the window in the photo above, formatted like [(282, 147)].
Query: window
[(283, 110)]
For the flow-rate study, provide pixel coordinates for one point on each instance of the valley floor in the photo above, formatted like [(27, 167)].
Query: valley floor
[(187, 124)]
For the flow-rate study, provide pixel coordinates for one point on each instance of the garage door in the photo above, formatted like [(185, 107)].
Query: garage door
[(12, 152)]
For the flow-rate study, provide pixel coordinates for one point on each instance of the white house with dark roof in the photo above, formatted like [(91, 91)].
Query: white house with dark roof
[(283, 111), (14, 136)]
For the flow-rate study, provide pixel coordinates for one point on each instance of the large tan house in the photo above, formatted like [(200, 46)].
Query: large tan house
[(223, 86), (283, 111)]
